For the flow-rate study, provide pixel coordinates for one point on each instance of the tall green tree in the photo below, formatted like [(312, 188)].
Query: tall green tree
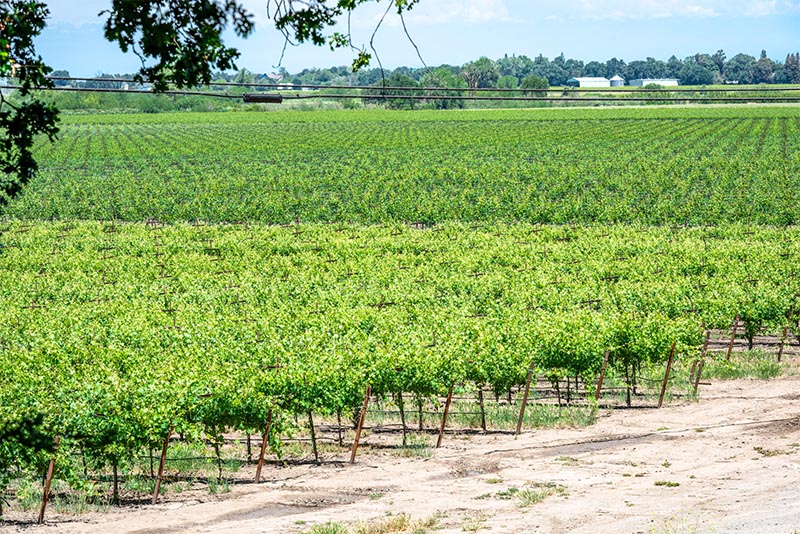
[(594, 69), (790, 71), (517, 66), (699, 69), (719, 60), (445, 78), (534, 85), (674, 66), (740, 69), (481, 73), (764, 70), (507, 82), (391, 87), (615, 67)]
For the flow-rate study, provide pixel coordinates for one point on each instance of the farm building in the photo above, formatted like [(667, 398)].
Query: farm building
[(617, 81), (589, 82), (657, 81)]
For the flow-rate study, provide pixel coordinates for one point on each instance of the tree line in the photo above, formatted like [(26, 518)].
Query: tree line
[(520, 71), (510, 71)]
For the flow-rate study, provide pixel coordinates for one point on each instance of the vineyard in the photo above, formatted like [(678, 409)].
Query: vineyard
[(663, 166), (143, 295)]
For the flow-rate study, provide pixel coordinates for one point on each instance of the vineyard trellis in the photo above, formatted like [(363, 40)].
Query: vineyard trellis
[(377, 272), (262, 326)]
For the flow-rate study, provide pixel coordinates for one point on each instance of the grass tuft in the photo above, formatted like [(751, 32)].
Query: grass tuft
[(751, 364)]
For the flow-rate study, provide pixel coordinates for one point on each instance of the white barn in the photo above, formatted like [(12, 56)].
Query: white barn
[(664, 82), (589, 82)]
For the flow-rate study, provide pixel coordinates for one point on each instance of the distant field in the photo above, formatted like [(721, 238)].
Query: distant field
[(653, 166)]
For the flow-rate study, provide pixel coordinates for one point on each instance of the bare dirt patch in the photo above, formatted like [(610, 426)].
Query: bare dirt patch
[(728, 463)]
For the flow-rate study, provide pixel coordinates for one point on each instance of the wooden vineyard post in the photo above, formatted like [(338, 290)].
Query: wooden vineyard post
[(697, 377), (264, 443), (483, 409), (705, 345), (785, 332), (360, 424), (733, 337), (666, 375), (697, 363), (783, 342), (524, 400), (161, 463), (48, 480), (444, 416), (602, 376)]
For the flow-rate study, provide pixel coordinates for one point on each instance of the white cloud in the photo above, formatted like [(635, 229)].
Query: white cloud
[(76, 12), (436, 12), (654, 9), (762, 7), (469, 11)]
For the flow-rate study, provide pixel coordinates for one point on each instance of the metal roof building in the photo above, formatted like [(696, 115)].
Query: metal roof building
[(666, 82), (589, 82), (617, 81)]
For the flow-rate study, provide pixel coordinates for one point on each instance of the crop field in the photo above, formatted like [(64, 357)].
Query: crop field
[(203, 274), (652, 166)]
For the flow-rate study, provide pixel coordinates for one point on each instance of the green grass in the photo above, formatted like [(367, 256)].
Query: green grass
[(537, 492), (417, 446), (328, 528), (666, 483), (397, 524), (750, 364), (533, 493)]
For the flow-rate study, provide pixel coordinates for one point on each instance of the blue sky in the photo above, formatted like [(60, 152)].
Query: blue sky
[(457, 31)]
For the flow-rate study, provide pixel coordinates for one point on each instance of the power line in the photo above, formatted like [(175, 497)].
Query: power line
[(276, 98), (132, 91), (624, 90)]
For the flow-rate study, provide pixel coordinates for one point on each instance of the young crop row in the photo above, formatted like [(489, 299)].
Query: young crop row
[(119, 332), (653, 166)]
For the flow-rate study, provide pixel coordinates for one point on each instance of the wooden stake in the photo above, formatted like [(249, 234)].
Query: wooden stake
[(666, 375), (694, 368), (401, 408), (602, 376), (115, 478), (360, 424), (733, 337), (50, 470), (524, 399), (705, 344), (264, 443), (483, 408), (444, 416), (161, 467), (783, 342), (339, 428), (313, 437), (697, 378)]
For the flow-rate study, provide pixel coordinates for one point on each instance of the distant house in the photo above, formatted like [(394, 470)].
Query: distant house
[(617, 81), (664, 82), (589, 82)]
